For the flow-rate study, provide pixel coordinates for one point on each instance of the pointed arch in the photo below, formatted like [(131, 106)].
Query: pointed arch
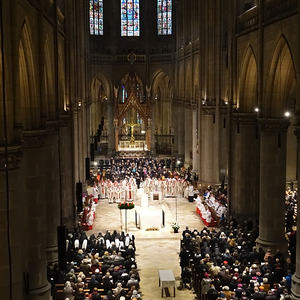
[(162, 91), (247, 99), (280, 81), (100, 85), (100, 92), (27, 109)]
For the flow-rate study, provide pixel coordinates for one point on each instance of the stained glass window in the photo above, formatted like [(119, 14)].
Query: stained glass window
[(130, 18), (124, 94), (164, 17), (96, 17)]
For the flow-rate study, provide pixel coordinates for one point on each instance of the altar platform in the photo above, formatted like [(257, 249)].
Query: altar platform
[(133, 154)]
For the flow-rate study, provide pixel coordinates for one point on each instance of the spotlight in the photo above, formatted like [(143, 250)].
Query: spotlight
[(95, 164), (256, 109), (143, 131), (178, 162), (287, 114), (226, 102)]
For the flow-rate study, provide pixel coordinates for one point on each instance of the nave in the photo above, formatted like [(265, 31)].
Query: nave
[(155, 249)]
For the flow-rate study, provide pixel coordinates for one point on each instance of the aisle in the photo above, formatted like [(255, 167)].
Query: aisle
[(155, 249)]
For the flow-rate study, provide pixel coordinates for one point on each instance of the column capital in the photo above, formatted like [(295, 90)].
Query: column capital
[(208, 110), (34, 138), (14, 158), (249, 118), (273, 125), (297, 132)]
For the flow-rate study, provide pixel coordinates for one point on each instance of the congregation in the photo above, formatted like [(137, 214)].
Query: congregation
[(290, 209), (226, 264), (100, 266)]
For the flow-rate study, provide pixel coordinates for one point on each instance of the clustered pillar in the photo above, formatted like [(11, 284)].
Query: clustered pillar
[(33, 166), (244, 153), (272, 184), (296, 276)]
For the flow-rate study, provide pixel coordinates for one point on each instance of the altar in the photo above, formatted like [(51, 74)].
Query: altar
[(150, 217), (132, 146)]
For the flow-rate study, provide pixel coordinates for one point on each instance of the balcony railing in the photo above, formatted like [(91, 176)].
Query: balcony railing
[(248, 20), (125, 59), (161, 57)]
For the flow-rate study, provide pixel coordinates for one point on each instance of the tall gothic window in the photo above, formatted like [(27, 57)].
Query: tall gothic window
[(164, 17), (130, 18), (96, 17)]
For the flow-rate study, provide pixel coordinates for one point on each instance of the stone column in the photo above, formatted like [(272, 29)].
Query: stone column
[(17, 219), (272, 184), (244, 153), (75, 144), (148, 135), (153, 149), (196, 154), (35, 208), (116, 135), (208, 161), (296, 277), (67, 172), (188, 136), (52, 195), (81, 162), (180, 129), (110, 130)]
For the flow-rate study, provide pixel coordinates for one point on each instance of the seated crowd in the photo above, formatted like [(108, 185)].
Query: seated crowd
[(226, 264), (101, 266), (212, 206)]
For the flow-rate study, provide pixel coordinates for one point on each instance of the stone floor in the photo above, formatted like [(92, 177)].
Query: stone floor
[(155, 249)]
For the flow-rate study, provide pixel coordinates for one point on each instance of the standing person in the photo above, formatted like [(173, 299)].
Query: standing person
[(205, 285), (190, 192)]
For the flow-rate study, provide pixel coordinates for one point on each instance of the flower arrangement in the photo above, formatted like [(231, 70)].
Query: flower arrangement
[(126, 205), (175, 226)]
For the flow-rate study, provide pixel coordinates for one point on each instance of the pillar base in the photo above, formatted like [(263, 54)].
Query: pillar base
[(41, 293), (52, 254), (273, 245), (295, 290)]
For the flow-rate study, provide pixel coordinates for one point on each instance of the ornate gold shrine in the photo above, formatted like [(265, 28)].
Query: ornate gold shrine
[(134, 104)]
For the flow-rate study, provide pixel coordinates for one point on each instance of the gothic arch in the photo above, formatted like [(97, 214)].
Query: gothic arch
[(100, 83), (162, 91), (247, 99), (280, 81), (27, 106), (99, 94)]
